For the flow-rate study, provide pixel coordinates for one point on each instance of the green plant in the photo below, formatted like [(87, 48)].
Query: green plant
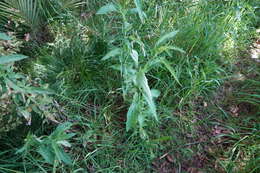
[(30, 16), (20, 96), (49, 147), (135, 62)]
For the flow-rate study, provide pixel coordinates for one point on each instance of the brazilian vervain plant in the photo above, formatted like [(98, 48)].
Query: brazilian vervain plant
[(135, 62)]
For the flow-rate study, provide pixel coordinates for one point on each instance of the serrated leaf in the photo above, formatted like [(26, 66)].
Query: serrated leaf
[(11, 58), (132, 114), (166, 38), (4, 36), (170, 69), (108, 8), (143, 84), (112, 53)]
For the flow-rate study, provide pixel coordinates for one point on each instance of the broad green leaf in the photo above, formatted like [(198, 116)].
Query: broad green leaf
[(170, 69), (11, 58), (139, 10), (4, 36), (143, 84), (46, 153), (107, 9), (112, 53), (132, 114), (166, 38)]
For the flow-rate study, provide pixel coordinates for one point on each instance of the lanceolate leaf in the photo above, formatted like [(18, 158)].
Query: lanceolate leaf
[(166, 38), (143, 84), (11, 58), (132, 114), (107, 9), (112, 53)]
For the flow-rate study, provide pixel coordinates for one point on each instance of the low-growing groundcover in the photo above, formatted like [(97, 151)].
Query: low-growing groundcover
[(129, 86)]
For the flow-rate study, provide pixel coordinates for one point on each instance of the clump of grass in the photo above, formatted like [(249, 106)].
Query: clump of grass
[(242, 142)]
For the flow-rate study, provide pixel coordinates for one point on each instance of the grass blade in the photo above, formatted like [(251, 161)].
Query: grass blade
[(166, 37), (171, 70)]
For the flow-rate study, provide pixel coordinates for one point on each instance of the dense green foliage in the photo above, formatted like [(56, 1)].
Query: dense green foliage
[(129, 86)]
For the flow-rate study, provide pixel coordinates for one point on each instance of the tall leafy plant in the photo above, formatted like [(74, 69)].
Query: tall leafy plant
[(135, 60)]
